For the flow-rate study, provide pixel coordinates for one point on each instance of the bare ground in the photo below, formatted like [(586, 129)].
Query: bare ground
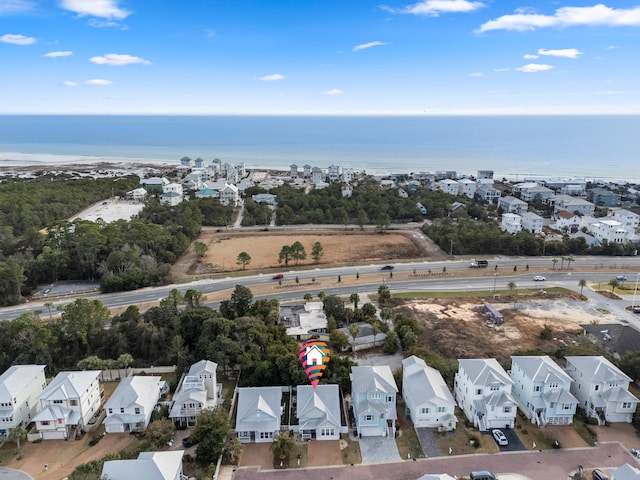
[(339, 247)]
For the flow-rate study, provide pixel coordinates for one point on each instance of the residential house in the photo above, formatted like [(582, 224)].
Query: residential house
[(625, 472), (186, 162), (171, 194), (267, 198), (197, 391), (318, 412), (154, 185), (442, 174), (483, 390), (488, 193), (137, 195), (572, 204), (20, 386), (317, 175), (68, 403), (532, 191), (259, 413), (373, 391), (567, 222), (433, 476), (229, 195), (629, 220), (452, 187), (511, 223), (148, 466), (293, 170), (467, 187), (306, 171), (601, 388), (484, 174), (510, 204), (603, 197), (333, 173), (531, 222), (348, 174), (610, 230), (422, 208), (427, 398), (347, 190), (542, 390), (130, 406)]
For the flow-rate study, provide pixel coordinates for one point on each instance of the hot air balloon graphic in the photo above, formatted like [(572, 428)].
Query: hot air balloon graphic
[(314, 356)]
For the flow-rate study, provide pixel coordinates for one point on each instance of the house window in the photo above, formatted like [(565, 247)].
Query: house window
[(479, 391), (494, 388), (376, 396), (73, 403), (265, 435), (368, 418), (389, 399), (536, 388), (626, 405), (553, 385), (442, 409), (566, 406), (326, 432), (596, 388), (507, 409), (45, 422), (122, 410), (110, 411), (57, 402), (424, 410), (137, 410)]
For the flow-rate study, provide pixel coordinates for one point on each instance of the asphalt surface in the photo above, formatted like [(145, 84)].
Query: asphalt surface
[(11, 474), (535, 465)]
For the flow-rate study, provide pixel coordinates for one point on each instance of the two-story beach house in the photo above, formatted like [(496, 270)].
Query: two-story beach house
[(20, 387), (601, 388), (148, 466), (68, 403), (318, 412), (374, 391), (483, 391), (427, 398), (197, 391), (259, 414), (130, 406), (542, 390)]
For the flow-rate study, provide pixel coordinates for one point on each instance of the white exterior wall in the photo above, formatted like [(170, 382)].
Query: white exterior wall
[(511, 223), (532, 223), (18, 407)]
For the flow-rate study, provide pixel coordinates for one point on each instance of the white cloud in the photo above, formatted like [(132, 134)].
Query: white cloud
[(434, 8), (8, 7), (57, 54), (565, 53), (117, 60), (334, 91), (475, 74), (69, 84), (506, 69), (98, 82), (611, 47), (364, 46), (16, 39), (597, 15), (271, 78), (94, 22), (534, 67), (530, 56), (96, 8)]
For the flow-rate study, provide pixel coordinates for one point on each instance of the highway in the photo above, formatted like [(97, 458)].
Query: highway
[(459, 278)]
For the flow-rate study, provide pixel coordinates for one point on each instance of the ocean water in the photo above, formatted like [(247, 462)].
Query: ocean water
[(605, 147)]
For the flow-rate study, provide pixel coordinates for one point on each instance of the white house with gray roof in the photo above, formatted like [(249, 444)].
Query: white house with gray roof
[(148, 466), (131, 404), (20, 386), (259, 413), (197, 391), (318, 412), (68, 403), (374, 391), (483, 390), (601, 388), (510, 204), (542, 390), (427, 398), (531, 222)]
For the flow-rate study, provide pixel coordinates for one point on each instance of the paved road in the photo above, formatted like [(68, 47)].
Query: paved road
[(545, 465), (11, 474), (379, 449)]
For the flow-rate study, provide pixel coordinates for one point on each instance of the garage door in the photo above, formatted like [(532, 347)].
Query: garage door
[(53, 435)]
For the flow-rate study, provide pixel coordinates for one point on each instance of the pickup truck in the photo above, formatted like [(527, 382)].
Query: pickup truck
[(479, 264)]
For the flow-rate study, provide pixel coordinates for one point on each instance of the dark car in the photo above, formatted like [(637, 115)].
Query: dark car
[(387, 267), (277, 277), (599, 475), (187, 442)]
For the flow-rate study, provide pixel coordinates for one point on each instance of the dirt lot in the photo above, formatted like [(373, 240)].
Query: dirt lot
[(457, 328), (340, 247)]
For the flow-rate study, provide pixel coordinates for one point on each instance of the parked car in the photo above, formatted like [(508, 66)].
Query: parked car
[(482, 475), (279, 276), (621, 278), (599, 475), (539, 278), (636, 309), (499, 436), (387, 267), (187, 442)]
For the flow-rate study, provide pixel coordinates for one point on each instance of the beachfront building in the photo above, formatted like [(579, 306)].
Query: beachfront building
[(483, 390), (293, 171), (487, 193), (532, 191), (511, 223), (467, 187), (485, 175), (447, 185), (601, 388), (510, 204), (171, 194), (317, 175), (68, 403), (348, 174), (428, 401), (20, 387), (542, 390), (333, 172), (131, 404), (374, 391)]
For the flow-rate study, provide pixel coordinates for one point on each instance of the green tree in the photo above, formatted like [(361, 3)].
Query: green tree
[(200, 249), (354, 298), (282, 446), (383, 221), (338, 340), (285, 254), (582, 283), (363, 219), (159, 432), (375, 328), (614, 283), (239, 304), (298, 252), (243, 259), (512, 287), (354, 330), (18, 435), (384, 294), (317, 252), (210, 432)]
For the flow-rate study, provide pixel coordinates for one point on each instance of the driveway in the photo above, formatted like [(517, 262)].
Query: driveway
[(515, 444), (379, 450), (428, 442), (11, 474)]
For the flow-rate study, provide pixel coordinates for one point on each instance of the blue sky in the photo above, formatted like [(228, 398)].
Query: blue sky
[(319, 57)]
